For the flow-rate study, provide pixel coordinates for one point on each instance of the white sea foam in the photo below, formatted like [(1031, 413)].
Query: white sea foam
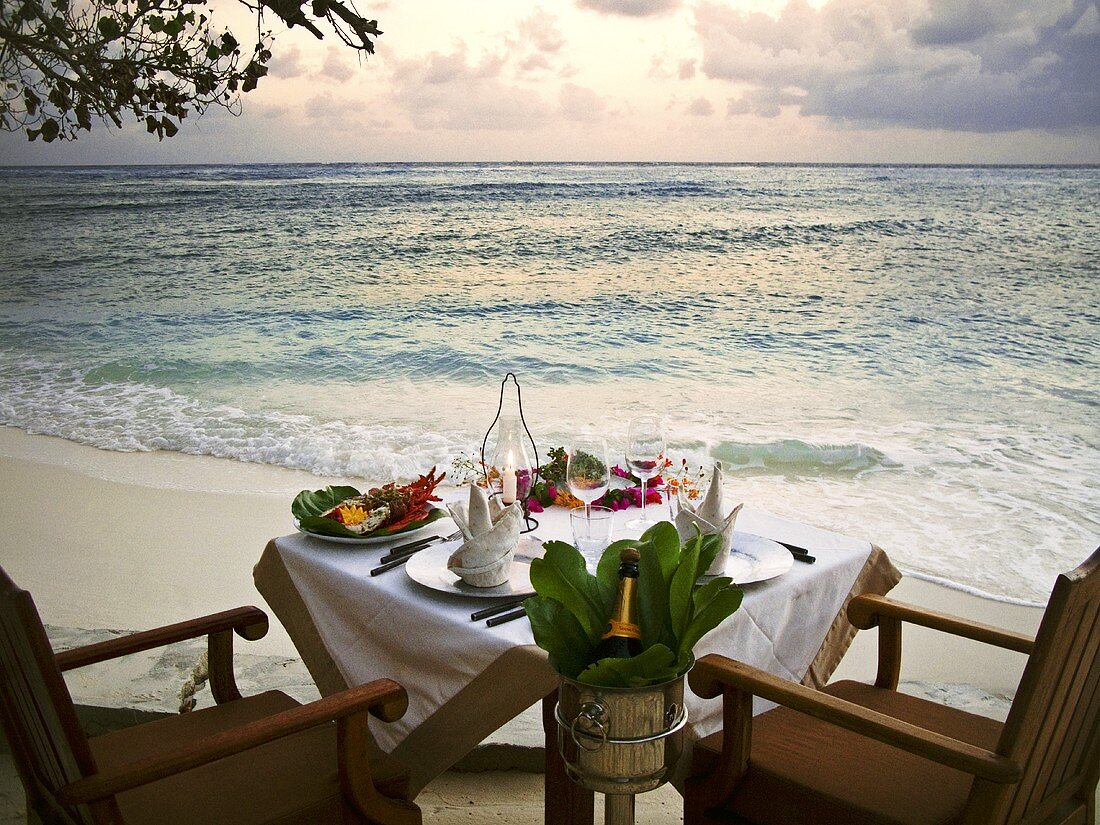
[(41, 397)]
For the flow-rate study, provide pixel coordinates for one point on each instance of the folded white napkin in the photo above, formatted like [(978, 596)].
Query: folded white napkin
[(491, 533), (709, 518)]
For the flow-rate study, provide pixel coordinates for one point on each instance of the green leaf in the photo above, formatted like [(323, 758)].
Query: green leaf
[(666, 541), (723, 605), (315, 502), (50, 130), (108, 27), (680, 605), (558, 632), (654, 665), (653, 618), (309, 504), (708, 550), (560, 574)]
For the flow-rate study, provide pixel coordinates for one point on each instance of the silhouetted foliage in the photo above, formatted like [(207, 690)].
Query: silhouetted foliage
[(65, 64)]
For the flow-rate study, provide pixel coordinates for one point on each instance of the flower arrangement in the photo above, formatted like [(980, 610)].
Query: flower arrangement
[(552, 491)]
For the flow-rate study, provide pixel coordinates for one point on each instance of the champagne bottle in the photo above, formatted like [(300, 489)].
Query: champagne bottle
[(623, 638)]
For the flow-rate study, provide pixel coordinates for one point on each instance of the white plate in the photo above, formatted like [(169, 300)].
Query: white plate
[(756, 559), (429, 568), (368, 540)]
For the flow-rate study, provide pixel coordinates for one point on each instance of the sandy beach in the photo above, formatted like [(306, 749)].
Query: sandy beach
[(111, 540)]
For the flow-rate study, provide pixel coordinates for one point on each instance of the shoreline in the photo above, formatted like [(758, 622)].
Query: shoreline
[(212, 517)]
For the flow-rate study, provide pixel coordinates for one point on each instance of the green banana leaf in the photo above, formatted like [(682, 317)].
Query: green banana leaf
[(309, 504)]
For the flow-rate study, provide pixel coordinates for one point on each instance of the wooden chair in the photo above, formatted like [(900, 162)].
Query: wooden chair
[(856, 753), (265, 758)]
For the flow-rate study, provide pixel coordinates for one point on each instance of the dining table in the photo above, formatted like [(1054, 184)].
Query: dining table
[(466, 679)]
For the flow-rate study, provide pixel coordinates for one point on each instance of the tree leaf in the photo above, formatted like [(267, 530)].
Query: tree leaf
[(108, 27)]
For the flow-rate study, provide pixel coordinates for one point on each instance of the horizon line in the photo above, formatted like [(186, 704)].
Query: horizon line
[(820, 164)]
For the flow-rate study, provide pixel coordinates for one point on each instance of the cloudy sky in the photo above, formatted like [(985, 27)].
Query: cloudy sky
[(988, 81)]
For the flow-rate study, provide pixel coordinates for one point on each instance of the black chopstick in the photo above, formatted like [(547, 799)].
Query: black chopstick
[(382, 568), (478, 615), (403, 550), (507, 617), (800, 553), (406, 550)]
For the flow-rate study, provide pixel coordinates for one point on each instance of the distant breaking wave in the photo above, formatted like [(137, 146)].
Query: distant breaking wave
[(797, 458)]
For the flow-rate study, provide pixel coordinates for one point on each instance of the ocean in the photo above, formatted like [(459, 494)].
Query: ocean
[(903, 353)]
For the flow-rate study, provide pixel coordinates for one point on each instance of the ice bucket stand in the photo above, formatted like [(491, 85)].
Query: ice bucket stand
[(620, 741)]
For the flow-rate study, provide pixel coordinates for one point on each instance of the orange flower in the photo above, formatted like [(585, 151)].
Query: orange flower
[(567, 499)]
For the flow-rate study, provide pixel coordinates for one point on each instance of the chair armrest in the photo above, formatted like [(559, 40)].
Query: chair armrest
[(248, 622), (867, 610), (383, 698), (713, 672)]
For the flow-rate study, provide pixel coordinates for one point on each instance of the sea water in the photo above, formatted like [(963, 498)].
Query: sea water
[(907, 354)]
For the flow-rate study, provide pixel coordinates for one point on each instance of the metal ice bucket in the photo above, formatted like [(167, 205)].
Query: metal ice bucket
[(621, 740)]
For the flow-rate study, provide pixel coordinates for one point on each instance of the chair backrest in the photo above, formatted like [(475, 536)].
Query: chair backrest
[(1053, 728), (37, 713)]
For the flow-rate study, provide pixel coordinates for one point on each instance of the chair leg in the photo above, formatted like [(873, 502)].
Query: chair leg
[(356, 782)]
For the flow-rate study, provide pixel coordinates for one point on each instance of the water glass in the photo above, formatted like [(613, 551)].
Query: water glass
[(592, 531)]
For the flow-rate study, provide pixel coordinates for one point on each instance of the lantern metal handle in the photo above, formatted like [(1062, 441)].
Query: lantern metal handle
[(530, 522)]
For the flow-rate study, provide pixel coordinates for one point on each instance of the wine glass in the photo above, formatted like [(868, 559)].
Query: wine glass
[(645, 450), (587, 471)]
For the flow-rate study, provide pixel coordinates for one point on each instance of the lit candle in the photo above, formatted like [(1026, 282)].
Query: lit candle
[(508, 484)]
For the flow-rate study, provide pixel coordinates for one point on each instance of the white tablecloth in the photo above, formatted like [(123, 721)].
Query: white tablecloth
[(464, 680)]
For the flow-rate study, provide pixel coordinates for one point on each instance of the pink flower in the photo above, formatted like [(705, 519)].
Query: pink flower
[(533, 505)]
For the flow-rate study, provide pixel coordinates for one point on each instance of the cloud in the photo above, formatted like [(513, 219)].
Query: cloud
[(534, 63), (582, 105), (541, 31), (286, 64), (335, 67), (700, 107), (630, 8), (444, 91), (973, 65), (686, 70)]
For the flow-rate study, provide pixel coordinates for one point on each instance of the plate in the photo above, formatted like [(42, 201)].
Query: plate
[(429, 568), (406, 535), (756, 559)]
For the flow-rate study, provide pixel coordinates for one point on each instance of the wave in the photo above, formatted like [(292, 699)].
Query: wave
[(798, 458), (128, 416)]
